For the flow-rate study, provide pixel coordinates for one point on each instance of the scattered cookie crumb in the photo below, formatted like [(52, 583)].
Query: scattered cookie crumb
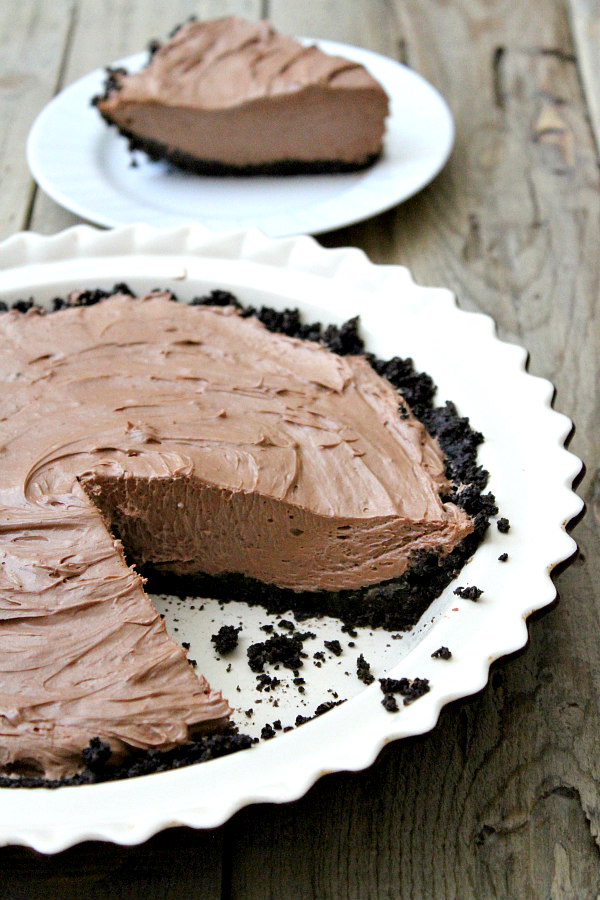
[(267, 732), (281, 648), (442, 653), (503, 525), (265, 682), (334, 646), (326, 706), (390, 703), (321, 708), (226, 639), (503, 557), (411, 690), (469, 593), (363, 670)]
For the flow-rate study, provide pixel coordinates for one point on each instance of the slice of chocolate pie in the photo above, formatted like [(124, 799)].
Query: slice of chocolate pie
[(227, 96)]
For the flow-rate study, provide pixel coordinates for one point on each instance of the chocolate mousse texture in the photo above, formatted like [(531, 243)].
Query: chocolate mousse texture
[(230, 96)]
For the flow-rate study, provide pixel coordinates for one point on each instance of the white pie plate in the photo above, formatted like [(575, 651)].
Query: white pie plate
[(86, 166), (531, 474)]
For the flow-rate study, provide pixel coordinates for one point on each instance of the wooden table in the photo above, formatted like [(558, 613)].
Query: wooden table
[(501, 800)]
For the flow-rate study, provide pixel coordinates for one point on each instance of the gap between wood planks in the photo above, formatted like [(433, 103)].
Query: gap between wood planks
[(57, 88)]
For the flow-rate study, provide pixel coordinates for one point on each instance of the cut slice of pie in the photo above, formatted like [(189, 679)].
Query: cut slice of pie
[(228, 96)]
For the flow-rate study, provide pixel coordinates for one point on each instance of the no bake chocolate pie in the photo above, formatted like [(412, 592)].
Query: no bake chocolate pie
[(216, 451), (227, 96)]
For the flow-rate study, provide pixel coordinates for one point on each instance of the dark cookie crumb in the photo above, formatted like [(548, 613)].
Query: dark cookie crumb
[(363, 670), (326, 706), (351, 632), (96, 755), (281, 648), (442, 653), (390, 703), (267, 628), (321, 708), (22, 306), (503, 557), (265, 682), (503, 525), (469, 593), (217, 298), (226, 639), (334, 646), (286, 624), (277, 725), (267, 732), (409, 689)]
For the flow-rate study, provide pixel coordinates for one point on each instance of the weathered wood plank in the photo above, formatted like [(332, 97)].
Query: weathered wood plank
[(373, 25), (585, 26), (175, 865), (501, 799), (125, 28), (32, 39)]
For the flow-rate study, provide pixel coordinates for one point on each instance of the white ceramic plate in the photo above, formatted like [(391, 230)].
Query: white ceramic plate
[(531, 475), (85, 166)]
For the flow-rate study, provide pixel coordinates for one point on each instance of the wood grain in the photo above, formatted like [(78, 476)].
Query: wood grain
[(33, 36), (173, 865)]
